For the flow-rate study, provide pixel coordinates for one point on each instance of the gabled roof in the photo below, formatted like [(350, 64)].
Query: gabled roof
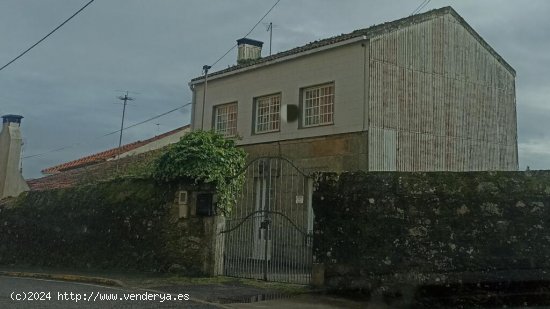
[(367, 33), (108, 154)]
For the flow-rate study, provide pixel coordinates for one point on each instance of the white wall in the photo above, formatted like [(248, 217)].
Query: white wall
[(343, 65), (165, 141), (434, 98), (11, 180), (439, 101)]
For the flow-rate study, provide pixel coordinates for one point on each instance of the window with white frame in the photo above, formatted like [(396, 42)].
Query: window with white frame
[(318, 105), (268, 111), (225, 119)]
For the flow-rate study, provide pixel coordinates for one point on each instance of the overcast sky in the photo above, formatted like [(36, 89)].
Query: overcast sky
[(66, 87)]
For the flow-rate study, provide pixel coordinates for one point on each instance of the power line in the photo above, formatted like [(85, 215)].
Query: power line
[(418, 7), (421, 7), (151, 119), (425, 5), (105, 135), (47, 35), (249, 32)]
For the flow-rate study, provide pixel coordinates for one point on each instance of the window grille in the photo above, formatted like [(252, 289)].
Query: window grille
[(226, 119), (268, 113), (318, 105)]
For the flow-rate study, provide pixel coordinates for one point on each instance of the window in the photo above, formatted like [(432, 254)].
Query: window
[(268, 113), (225, 119), (318, 105)]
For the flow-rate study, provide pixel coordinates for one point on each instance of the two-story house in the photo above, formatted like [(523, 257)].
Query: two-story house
[(423, 93)]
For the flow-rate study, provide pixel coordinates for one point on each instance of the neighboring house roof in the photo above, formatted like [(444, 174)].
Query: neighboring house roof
[(95, 172), (108, 154), (367, 33)]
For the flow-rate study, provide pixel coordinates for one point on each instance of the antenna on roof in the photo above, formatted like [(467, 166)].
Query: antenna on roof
[(269, 27)]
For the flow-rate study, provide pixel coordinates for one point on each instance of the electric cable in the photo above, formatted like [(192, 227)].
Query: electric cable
[(246, 35), (105, 135), (46, 36)]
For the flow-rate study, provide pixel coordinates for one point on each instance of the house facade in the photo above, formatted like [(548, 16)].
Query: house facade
[(423, 93)]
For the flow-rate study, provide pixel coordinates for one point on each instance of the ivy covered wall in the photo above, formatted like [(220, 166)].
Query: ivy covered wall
[(121, 224), (377, 224)]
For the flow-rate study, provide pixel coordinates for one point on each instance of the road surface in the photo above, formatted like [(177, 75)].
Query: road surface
[(37, 293)]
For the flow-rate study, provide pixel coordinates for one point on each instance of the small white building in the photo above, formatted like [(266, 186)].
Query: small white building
[(11, 181), (105, 164), (128, 150)]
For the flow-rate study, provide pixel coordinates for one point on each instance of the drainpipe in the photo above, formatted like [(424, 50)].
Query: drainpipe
[(366, 113), (205, 68), (193, 106)]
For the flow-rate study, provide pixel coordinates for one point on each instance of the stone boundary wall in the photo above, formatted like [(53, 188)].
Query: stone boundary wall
[(409, 225), (124, 224)]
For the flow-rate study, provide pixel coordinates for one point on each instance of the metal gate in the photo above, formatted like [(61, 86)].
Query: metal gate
[(268, 235)]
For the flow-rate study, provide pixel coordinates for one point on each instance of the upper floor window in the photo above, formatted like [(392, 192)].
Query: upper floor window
[(225, 119), (268, 110), (318, 105)]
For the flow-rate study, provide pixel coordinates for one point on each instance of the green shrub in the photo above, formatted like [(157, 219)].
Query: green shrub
[(205, 157)]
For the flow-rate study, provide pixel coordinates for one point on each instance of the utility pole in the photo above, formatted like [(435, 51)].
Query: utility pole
[(205, 69), (125, 98)]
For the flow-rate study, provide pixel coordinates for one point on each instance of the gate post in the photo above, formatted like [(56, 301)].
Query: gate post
[(217, 245), (265, 227)]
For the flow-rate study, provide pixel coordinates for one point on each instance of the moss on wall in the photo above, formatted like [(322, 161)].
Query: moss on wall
[(378, 223), (122, 224)]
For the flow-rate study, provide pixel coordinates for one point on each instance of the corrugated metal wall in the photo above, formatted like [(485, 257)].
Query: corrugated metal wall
[(438, 100)]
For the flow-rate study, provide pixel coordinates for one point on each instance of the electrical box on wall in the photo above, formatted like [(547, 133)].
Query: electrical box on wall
[(182, 197), (290, 113), (205, 205)]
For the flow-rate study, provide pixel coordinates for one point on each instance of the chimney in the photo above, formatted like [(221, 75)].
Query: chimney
[(11, 180), (248, 50)]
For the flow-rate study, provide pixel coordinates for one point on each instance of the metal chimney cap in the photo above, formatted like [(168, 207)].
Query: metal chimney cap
[(12, 118)]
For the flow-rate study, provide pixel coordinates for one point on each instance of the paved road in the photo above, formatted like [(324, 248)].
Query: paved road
[(83, 296)]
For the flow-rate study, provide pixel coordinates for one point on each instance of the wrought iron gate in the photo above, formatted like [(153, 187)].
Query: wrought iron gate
[(268, 235)]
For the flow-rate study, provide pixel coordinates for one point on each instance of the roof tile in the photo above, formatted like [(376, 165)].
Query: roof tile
[(106, 155)]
